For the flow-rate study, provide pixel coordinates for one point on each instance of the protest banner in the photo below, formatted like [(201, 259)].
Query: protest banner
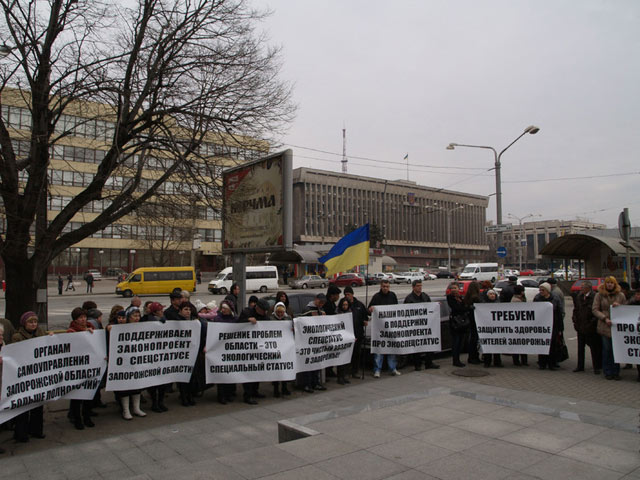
[(48, 368), (407, 328), (244, 352), (145, 354), (323, 341), (519, 327), (625, 333)]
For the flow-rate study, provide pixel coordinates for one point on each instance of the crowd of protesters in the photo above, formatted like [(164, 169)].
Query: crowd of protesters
[(590, 318)]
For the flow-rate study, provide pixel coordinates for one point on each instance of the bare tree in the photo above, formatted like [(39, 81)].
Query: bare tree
[(167, 75)]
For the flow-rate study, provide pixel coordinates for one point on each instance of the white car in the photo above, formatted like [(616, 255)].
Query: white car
[(560, 274), (531, 287), (95, 273), (430, 276), (395, 278)]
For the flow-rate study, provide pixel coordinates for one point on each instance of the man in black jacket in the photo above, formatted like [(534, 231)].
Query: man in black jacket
[(418, 296), (585, 324), (172, 312), (333, 294), (506, 294), (252, 315), (360, 321), (384, 297)]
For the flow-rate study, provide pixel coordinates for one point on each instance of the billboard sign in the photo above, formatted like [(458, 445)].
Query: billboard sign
[(257, 205)]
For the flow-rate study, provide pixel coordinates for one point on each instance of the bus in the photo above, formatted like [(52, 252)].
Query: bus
[(259, 279), (155, 280)]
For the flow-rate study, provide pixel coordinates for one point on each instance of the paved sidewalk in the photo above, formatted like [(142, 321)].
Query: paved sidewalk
[(420, 425)]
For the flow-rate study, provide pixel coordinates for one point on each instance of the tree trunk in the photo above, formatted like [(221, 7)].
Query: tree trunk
[(21, 290)]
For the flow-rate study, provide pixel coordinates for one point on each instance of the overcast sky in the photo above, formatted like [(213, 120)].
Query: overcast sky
[(409, 77)]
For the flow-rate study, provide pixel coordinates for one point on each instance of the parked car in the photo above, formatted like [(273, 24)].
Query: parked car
[(345, 279), (445, 274), (94, 272), (114, 272), (560, 274), (430, 276), (393, 278), (577, 285), (531, 287), (512, 272), (308, 281), (372, 279), (414, 276), (527, 272), (403, 277), (541, 271), (297, 301)]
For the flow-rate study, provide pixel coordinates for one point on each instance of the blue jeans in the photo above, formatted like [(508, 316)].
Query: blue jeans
[(378, 359), (608, 365)]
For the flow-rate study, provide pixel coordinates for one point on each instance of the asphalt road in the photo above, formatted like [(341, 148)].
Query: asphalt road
[(60, 306)]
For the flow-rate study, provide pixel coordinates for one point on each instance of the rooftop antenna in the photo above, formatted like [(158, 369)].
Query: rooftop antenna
[(344, 149)]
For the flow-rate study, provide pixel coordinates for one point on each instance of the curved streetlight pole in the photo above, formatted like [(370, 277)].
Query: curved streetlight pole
[(532, 129), (520, 220)]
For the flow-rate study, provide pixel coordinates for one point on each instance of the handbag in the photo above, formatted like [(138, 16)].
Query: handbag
[(459, 322), (564, 351)]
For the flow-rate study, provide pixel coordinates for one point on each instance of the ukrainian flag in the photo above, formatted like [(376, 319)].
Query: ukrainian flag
[(351, 250)]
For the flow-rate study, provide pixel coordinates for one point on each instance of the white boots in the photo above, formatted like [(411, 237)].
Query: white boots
[(126, 414), (135, 407)]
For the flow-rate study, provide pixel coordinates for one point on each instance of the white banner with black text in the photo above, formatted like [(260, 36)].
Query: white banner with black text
[(145, 354), (323, 341), (48, 368), (244, 352), (514, 328), (625, 334), (406, 328)]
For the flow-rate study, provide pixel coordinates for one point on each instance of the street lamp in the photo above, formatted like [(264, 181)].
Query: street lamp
[(448, 212), (78, 262), (132, 258), (101, 252), (532, 129), (520, 220)]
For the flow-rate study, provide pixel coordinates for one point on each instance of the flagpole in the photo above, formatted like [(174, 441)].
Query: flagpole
[(407, 158)]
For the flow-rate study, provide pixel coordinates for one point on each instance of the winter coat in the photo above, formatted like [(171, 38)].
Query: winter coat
[(584, 321), (558, 323), (22, 334), (359, 312), (382, 299), (602, 304), (413, 298)]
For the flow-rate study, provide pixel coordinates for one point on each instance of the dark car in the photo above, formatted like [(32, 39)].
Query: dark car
[(114, 272), (445, 274), (373, 279), (297, 301), (351, 279)]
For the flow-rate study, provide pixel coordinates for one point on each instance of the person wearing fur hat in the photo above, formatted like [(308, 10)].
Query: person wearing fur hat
[(280, 313), (609, 295), (550, 361), (226, 391), (80, 410), (30, 423)]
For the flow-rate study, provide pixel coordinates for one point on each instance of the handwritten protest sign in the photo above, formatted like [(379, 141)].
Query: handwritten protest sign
[(243, 352), (145, 354), (405, 329), (323, 341), (44, 369), (519, 327)]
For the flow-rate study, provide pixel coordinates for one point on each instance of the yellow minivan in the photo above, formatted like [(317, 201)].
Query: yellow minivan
[(155, 280)]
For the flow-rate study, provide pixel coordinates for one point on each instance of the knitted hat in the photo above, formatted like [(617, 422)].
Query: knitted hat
[(26, 316), (130, 311), (200, 305), (278, 305), (546, 286), (212, 305), (253, 299), (155, 307)]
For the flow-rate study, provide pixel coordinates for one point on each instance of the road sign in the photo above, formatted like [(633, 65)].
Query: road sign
[(501, 252), (505, 227)]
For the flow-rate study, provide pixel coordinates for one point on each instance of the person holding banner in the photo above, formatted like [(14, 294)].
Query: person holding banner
[(522, 359), (280, 313), (172, 312), (609, 296), (252, 315), (30, 423), (157, 392), (360, 321), (586, 324), (492, 297), (384, 297), (461, 310), (311, 378), (226, 391), (80, 410), (550, 361), (472, 297), (418, 296), (2, 450)]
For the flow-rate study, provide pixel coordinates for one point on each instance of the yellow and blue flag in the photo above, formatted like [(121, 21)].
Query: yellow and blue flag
[(351, 250)]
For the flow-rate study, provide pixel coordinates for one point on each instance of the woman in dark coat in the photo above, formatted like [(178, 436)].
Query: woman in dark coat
[(458, 308), (491, 296), (30, 423), (472, 297), (226, 391)]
